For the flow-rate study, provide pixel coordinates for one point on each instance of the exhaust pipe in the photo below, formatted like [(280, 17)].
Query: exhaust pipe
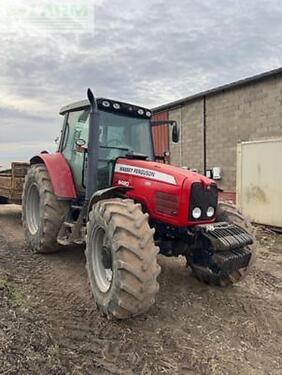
[(93, 147)]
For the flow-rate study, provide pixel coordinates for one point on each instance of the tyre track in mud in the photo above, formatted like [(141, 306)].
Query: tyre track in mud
[(57, 286), (192, 328)]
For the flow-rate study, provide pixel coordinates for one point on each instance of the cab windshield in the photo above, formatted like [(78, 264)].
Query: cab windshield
[(121, 135)]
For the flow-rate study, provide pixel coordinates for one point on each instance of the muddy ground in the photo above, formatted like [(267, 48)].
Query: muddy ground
[(49, 323)]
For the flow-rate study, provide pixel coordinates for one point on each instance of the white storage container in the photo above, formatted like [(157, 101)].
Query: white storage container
[(259, 180)]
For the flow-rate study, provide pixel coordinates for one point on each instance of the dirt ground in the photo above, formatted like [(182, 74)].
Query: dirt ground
[(49, 323)]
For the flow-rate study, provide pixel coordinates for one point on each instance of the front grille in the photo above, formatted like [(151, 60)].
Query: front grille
[(202, 197)]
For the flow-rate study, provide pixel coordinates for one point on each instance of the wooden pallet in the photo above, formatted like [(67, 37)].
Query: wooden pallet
[(11, 182)]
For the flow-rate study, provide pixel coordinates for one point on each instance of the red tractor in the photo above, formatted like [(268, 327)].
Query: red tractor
[(103, 187)]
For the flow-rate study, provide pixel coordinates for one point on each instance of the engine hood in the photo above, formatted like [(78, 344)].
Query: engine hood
[(159, 172), (164, 191)]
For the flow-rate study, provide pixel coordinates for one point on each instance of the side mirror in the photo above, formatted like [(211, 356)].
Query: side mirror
[(175, 133)]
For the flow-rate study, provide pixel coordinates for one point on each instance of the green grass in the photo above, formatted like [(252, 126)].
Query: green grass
[(3, 282), (15, 295), (18, 298)]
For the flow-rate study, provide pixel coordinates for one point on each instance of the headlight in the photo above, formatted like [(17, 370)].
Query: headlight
[(140, 111), (196, 213), (210, 211)]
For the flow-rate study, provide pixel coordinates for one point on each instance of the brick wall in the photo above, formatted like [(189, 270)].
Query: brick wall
[(250, 112), (189, 151)]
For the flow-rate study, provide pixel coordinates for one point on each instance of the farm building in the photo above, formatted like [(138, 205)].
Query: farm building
[(212, 123)]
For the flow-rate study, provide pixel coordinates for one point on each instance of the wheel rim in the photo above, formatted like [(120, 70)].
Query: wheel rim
[(101, 260), (33, 208)]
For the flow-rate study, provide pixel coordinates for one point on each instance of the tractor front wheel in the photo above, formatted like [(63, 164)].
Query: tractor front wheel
[(42, 213), (121, 258)]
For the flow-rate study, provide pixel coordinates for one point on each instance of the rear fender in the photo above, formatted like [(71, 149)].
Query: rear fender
[(112, 192), (60, 174)]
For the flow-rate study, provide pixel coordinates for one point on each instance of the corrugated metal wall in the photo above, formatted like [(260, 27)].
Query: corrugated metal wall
[(160, 136)]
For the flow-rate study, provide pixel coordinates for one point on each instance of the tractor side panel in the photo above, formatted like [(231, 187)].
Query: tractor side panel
[(60, 174), (146, 190)]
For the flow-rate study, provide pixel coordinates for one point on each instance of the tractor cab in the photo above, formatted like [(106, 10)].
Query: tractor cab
[(124, 131)]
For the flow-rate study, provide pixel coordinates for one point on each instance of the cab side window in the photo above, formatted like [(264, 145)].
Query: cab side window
[(81, 128), (76, 127)]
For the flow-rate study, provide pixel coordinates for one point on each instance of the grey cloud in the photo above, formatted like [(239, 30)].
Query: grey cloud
[(148, 53)]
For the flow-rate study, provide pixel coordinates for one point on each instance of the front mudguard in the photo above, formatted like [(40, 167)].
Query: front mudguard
[(111, 192)]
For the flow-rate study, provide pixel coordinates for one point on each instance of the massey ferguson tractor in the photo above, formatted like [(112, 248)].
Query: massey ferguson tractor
[(103, 188)]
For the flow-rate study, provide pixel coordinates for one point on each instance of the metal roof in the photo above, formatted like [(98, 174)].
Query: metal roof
[(229, 86)]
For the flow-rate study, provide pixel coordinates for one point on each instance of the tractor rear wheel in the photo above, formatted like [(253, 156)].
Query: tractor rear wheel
[(121, 258), (229, 213), (42, 213)]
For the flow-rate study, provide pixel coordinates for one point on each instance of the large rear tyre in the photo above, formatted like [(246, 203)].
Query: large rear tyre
[(229, 213), (121, 258), (42, 213)]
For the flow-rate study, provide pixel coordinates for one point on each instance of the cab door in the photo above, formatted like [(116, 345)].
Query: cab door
[(76, 128)]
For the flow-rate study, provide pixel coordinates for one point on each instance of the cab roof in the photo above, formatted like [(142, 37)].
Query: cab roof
[(75, 106), (109, 105)]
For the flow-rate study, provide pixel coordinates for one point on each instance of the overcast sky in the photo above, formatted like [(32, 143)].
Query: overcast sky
[(146, 52)]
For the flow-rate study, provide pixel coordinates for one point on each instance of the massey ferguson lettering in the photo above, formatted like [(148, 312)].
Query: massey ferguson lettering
[(125, 169), (136, 171), (144, 172)]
